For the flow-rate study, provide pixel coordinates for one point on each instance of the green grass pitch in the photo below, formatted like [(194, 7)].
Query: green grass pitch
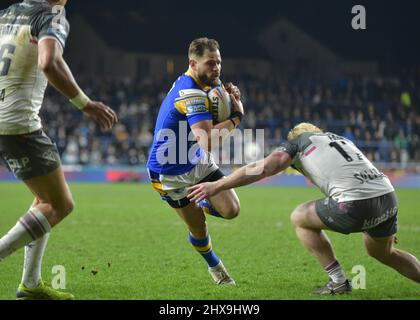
[(139, 247)]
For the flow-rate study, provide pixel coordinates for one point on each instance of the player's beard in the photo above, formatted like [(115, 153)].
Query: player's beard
[(208, 81)]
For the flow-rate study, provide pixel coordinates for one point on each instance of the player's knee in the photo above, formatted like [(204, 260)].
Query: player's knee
[(296, 217), (65, 207), (232, 210), (382, 255), (293, 219), (69, 206)]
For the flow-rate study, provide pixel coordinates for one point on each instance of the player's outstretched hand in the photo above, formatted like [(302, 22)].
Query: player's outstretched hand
[(101, 113), (201, 191)]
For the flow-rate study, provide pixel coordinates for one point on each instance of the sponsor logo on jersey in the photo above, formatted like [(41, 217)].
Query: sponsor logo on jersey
[(368, 175), (196, 108)]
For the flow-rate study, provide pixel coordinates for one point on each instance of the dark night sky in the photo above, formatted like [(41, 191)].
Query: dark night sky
[(392, 35)]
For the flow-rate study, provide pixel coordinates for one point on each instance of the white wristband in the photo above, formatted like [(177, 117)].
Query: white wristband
[(80, 101)]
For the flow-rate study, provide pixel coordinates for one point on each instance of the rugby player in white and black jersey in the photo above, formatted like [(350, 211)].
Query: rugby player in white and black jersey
[(33, 34), (359, 198)]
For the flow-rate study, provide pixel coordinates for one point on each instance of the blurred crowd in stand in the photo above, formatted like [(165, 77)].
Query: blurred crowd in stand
[(380, 114)]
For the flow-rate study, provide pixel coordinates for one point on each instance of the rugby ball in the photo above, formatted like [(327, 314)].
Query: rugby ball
[(220, 104)]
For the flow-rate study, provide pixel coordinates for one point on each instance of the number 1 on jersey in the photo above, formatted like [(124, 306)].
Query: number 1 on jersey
[(340, 149)]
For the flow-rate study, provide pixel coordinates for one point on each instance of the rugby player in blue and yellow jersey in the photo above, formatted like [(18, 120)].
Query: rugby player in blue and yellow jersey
[(180, 155)]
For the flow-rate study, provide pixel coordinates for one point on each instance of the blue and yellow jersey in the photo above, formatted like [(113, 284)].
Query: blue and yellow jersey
[(175, 150)]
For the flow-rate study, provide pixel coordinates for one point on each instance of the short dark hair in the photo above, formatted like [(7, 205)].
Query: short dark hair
[(198, 46)]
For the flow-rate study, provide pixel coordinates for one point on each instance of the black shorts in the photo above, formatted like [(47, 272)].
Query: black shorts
[(375, 216), (29, 155)]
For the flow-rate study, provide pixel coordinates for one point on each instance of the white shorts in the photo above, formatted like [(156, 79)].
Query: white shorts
[(174, 188)]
